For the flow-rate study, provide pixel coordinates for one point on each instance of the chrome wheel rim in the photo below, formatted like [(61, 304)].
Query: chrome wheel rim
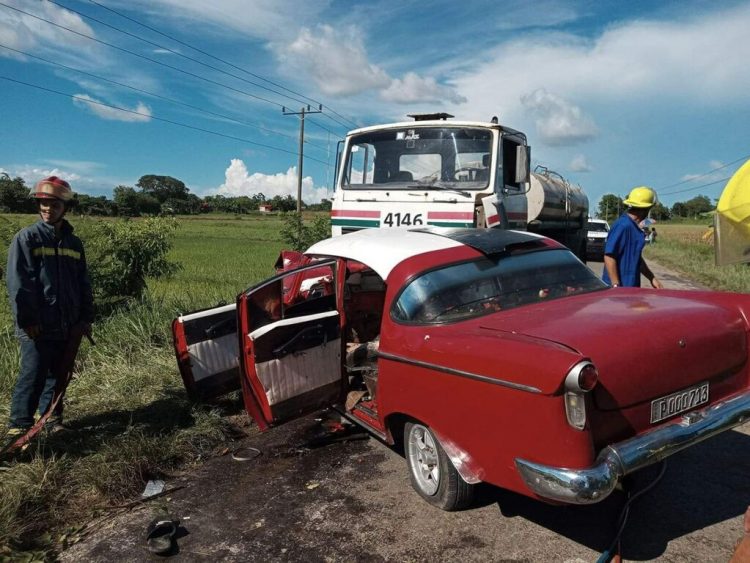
[(423, 458)]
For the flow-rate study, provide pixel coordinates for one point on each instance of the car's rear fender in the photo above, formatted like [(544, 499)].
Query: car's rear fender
[(481, 425)]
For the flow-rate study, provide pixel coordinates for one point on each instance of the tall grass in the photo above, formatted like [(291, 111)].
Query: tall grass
[(127, 407), (687, 249)]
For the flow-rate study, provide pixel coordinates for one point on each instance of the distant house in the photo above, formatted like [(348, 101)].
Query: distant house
[(265, 208)]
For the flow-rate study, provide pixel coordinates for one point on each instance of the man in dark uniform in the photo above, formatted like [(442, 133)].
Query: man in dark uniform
[(50, 292)]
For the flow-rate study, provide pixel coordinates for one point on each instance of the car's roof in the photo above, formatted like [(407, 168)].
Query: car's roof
[(383, 249)]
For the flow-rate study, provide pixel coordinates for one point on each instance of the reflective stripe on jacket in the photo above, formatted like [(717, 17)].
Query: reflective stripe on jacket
[(48, 282)]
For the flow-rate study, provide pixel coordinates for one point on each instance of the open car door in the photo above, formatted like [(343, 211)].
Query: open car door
[(207, 349), (291, 327)]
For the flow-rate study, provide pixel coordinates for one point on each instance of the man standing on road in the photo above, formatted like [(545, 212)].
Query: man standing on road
[(623, 260), (50, 292)]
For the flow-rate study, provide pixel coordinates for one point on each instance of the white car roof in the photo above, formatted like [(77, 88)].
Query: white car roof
[(382, 249)]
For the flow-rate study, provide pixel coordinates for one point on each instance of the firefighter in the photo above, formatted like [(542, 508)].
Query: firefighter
[(623, 260), (49, 292)]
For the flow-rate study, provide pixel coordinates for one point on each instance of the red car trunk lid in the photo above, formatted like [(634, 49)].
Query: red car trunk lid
[(644, 343)]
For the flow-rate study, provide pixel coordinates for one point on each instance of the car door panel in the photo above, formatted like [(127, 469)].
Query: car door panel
[(207, 352), (292, 365), (298, 359)]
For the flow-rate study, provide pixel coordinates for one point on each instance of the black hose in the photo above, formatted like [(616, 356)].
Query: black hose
[(609, 553)]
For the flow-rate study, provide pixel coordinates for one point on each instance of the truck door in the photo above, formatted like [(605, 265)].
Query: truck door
[(291, 344), (208, 351)]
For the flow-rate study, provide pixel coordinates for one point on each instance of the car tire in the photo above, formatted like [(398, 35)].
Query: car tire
[(431, 473)]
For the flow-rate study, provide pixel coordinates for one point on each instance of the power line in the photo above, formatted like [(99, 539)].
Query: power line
[(704, 175), (323, 127), (698, 187), (214, 57), (159, 96), (172, 38), (177, 53), (172, 122), (214, 82)]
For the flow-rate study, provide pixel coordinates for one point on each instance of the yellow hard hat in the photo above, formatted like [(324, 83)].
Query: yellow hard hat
[(641, 197)]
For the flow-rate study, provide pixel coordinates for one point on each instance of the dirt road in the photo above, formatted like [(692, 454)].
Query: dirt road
[(351, 501)]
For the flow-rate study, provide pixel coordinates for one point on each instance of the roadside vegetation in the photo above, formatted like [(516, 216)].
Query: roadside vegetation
[(127, 407), (688, 249)]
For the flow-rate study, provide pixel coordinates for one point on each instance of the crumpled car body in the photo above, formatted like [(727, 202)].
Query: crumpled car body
[(488, 355)]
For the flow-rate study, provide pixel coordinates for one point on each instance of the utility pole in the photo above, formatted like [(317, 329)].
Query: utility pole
[(302, 112)]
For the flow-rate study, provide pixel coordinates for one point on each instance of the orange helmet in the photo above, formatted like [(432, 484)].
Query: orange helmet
[(52, 188)]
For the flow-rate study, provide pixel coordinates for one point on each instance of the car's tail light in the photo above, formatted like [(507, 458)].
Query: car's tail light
[(581, 379)]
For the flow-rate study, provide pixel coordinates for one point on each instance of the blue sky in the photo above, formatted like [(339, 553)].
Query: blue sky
[(611, 94)]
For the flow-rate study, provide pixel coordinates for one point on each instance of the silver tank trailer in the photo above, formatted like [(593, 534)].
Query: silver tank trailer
[(552, 201)]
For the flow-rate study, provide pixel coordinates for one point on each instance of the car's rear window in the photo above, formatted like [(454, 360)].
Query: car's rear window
[(472, 289)]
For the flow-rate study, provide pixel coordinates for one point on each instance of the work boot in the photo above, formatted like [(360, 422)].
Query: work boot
[(11, 435), (54, 425)]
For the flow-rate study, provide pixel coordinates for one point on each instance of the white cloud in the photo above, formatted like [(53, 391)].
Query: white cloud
[(264, 19), (558, 121), (413, 88), (336, 60), (719, 170), (238, 181), (580, 164), (85, 166), (698, 60), (31, 174), (140, 113), (541, 13), (26, 33)]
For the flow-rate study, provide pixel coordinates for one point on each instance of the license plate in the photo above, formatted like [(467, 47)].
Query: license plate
[(681, 401)]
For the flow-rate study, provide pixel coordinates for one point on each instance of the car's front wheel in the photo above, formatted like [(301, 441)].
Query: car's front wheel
[(431, 472)]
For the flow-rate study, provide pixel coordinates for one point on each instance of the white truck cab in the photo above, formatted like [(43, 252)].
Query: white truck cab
[(432, 171)]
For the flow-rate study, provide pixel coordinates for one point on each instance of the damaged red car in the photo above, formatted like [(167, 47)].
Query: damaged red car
[(487, 355)]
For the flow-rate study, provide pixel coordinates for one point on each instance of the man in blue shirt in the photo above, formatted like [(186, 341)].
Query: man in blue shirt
[(623, 260)]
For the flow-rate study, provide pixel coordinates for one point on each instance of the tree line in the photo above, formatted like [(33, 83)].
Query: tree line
[(152, 195), (611, 206)]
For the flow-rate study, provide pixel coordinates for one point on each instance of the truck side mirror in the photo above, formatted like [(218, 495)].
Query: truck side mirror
[(523, 160)]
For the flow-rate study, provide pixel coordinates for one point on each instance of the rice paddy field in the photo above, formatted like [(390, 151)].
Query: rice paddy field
[(129, 415)]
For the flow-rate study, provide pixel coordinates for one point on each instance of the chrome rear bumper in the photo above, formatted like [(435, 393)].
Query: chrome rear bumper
[(593, 484)]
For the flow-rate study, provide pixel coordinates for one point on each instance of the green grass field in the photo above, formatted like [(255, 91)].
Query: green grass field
[(686, 249), (131, 418)]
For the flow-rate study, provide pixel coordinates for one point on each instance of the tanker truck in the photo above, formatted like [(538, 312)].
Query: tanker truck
[(436, 172)]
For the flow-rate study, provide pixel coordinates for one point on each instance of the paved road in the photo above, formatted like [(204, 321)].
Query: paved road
[(351, 501)]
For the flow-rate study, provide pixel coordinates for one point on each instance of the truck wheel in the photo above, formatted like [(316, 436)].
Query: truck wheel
[(431, 472)]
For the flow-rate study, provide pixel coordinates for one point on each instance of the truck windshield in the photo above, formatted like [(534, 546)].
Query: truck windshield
[(419, 157)]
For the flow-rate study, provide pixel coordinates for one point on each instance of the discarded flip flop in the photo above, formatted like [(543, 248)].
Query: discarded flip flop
[(160, 536), (245, 453)]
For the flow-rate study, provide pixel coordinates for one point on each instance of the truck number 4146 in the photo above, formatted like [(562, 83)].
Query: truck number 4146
[(403, 220)]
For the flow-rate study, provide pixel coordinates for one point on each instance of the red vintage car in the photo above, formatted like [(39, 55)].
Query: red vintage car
[(488, 355)]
